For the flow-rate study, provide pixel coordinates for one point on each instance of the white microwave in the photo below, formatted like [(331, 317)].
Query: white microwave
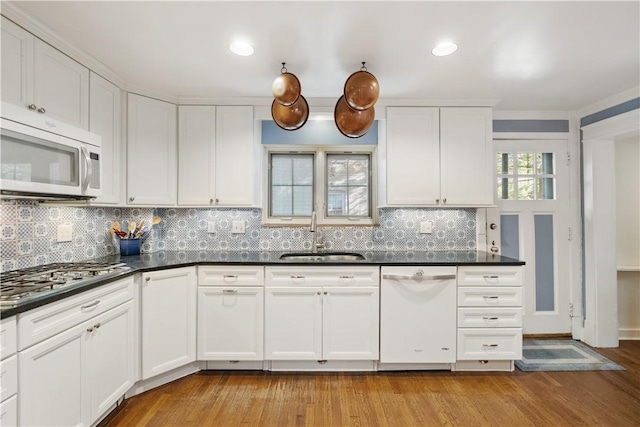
[(46, 159)]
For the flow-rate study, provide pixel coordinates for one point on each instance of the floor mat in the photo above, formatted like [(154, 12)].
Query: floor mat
[(562, 355)]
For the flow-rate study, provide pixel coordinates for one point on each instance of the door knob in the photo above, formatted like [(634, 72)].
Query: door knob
[(493, 226)]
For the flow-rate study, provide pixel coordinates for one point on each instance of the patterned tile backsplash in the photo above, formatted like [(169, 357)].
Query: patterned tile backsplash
[(29, 232)]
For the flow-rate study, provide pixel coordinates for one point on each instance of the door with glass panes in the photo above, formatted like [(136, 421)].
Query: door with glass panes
[(530, 223)]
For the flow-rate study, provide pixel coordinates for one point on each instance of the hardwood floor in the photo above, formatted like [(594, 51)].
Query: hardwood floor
[(223, 398)]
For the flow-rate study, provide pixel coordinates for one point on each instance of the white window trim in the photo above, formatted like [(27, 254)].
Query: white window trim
[(320, 186)]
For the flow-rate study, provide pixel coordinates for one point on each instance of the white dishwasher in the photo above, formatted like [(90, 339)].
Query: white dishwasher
[(418, 315)]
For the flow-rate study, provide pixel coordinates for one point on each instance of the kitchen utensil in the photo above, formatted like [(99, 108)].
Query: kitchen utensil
[(131, 228), (292, 117), (286, 88), (115, 225), (352, 123), (361, 90), (156, 220)]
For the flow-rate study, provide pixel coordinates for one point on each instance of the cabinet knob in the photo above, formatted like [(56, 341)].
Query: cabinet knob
[(210, 201), (325, 292), (32, 107), (97, 325), (146, 279), (444, 200), (319, 293), (437, 201), (89, 330), (217, 201), (131, 199), (41, 110)]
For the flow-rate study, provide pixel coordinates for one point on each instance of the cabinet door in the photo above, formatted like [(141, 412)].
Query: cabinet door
[(17, 64), (350, 324), (61, 86), (112, 360), (417, 316), (413, 156), (466, 156), (151, 151), (52, 382), (9, 412), (168, 320), (230, 323), (235, 166), (293, 323), (104, 119), (196, 155)]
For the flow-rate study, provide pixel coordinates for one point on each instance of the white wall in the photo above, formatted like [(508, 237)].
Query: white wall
[(628, 235)]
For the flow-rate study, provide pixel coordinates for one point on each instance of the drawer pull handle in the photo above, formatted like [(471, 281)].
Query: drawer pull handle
[(234, 361), (297, 277), (346, 277), (490, 317), (490, 345), (97, 325), (229, 291), (93, 304), (418, 277), (322, 362), (491, 277), (230, 276), (490, 296)]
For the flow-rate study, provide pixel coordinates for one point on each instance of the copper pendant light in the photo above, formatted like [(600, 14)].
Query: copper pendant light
[(361, 90), (286, 87), (352, 123), (290, 117)]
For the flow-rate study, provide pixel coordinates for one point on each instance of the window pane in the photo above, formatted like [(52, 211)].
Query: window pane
[(337, 201), (336, 171), (545, 163), (302, 200), (281, 170), (358, 201), (504, 163), (303, 170), (359, 171), (525, 163), (545, 188), (505, 188), (281, 201), (525, 189)]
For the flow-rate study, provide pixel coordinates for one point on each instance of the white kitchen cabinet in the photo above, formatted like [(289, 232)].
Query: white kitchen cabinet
[(105, 120), (322, 313), (41, 78), (151, 151), (168, 320), (418, 315), (216, 156), (73, 377), (230, 313), (489, 317), (9, 412), (439, 156), (8, 372)]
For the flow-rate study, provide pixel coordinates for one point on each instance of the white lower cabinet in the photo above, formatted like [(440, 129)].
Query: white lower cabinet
[(73, 377), (168, 320), (230, 313), (322, 313)]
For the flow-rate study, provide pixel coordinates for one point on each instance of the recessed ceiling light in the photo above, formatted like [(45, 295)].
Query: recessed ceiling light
[(241, 48), (444, 49)]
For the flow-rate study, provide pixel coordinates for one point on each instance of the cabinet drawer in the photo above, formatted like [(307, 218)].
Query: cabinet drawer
[(8, 338), (489, 276), (46, 321), (490, 344), (9, 412), (489, 297), (322, 276), (230, 276), (490, 317), (8, 377)]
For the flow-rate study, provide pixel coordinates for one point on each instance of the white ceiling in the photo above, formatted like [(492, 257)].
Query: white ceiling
[(544, 56)]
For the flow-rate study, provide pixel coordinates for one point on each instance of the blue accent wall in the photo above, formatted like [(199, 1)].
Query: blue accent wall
[(315, 132), (625, 107), (531, 125)]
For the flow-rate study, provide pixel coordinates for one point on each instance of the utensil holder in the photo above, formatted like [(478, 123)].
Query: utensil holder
[(129, 247)]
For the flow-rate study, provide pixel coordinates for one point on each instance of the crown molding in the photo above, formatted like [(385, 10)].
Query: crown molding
[(139, 90), (36, 27)]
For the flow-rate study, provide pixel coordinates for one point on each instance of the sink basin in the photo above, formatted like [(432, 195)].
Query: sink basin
[(322, 256)]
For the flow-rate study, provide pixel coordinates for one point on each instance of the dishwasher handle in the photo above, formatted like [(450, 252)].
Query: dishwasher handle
[(418, 277)]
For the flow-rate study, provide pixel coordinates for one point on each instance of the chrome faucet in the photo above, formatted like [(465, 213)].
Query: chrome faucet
[(314, 229)]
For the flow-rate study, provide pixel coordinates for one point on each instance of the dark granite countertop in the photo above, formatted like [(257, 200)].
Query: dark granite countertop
[(173, 259)]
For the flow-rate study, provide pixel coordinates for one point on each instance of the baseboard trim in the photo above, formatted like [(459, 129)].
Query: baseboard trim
[(167, 377), (629, 334), (548, 336)]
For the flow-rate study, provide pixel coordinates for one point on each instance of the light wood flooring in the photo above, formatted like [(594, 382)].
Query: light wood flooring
[(223, 398)]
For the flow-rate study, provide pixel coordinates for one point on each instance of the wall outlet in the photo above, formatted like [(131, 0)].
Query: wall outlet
[(426, 227), (211, 227), (65, 233), (237, 227)]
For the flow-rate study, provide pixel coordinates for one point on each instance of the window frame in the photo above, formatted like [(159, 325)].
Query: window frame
[(515, 175), (320, 186)]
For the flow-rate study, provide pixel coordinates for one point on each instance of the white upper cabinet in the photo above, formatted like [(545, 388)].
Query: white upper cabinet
[(105, 120), (465, 156), (41, 78), (216, 156), (151, 151), (439, 156)]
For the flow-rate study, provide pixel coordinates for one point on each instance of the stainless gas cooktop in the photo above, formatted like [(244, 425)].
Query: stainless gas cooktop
[(21, 286)]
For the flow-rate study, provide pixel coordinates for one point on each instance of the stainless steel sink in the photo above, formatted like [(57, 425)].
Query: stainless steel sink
[(322, 256)]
